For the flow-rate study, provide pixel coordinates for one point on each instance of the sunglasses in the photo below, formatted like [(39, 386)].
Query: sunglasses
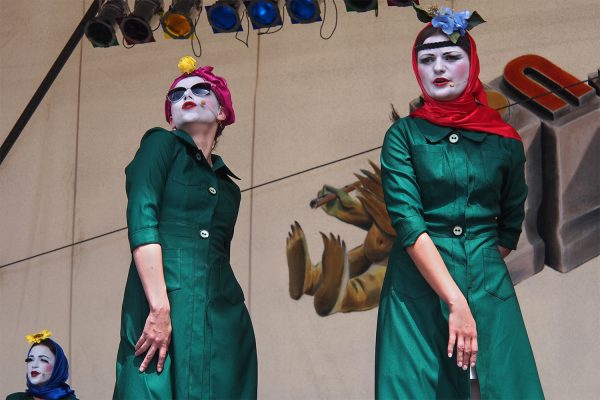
[(199, 89)]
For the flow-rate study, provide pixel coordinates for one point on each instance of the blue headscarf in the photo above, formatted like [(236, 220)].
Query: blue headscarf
[(56, 388)]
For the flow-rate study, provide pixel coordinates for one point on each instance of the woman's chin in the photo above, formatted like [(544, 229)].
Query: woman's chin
[(444, 96), (196, 121)]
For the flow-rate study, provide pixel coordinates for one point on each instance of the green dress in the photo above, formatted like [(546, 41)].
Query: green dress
[(177, 200), (467, 191)]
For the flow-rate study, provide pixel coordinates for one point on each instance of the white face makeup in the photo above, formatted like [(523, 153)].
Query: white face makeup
[(444, 71), (40, 364), (193, 108)]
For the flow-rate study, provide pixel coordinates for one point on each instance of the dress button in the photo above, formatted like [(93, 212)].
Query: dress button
[(453, 138), (457, 230), (198, 156), (212, 190), (204, 234)]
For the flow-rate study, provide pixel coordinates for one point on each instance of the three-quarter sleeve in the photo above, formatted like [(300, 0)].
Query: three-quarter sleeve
[(145, 181), (400, 188), (512, 199)]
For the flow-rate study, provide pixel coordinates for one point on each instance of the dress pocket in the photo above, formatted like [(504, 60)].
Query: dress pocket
[(430, 164), (172, 268), (230, 288), (494, 165), (496, 277)]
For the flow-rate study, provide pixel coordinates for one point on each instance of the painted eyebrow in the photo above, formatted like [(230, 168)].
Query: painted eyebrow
[(444, 53)]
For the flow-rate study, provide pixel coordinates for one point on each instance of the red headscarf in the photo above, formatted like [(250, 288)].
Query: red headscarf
[(470, 110)]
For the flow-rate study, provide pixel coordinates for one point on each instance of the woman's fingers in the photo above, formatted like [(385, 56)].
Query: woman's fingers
[(460, 349), (142, 346), (148, 358), (162, 355), (140, 341), (467, 354), (451, 343), (474, 350)]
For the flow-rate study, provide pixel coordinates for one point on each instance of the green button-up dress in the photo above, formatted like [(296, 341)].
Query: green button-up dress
[(467, 191), (176, 199)]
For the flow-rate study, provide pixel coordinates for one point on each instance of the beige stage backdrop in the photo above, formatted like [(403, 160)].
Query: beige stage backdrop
[(300, 101)]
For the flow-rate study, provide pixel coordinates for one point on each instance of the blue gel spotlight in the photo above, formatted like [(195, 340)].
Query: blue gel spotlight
[(223, 17), (264, 12), (303, 11)]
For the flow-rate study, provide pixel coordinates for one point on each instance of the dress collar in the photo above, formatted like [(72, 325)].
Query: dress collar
[(218, 164), (217, 161), (435, 133)]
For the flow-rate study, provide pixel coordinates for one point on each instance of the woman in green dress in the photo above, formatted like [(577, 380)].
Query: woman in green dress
[(185, 330), (47, 371), (453, 179)]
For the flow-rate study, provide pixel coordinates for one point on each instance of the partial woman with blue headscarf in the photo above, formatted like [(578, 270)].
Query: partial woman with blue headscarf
[(47, 370)]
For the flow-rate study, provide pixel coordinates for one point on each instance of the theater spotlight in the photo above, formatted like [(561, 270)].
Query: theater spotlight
[(223, 16), (401, 3), (303, 11), (360, 5), (178, 22), (136, 26), (101, 30), (263, 13)]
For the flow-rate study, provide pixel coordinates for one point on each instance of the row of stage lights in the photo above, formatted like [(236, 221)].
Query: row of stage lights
[(179, 21)]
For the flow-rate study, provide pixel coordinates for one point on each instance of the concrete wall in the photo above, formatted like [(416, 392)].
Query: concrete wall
[(300, 101)]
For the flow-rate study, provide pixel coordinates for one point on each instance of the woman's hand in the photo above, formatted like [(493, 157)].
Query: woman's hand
[(463, 334), (155, 337), (157, 330), (503, 251)]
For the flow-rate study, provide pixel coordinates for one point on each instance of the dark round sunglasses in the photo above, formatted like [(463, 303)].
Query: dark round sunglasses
[(199, 89)]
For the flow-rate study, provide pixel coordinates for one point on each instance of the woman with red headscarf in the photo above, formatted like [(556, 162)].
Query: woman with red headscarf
[(185, 331), (449, 324)]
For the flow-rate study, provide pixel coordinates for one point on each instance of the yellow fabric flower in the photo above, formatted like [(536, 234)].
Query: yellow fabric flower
[(38, 337), (187, 64)]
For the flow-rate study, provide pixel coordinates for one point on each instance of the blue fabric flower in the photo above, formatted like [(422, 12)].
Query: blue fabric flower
[(451, 22), (444, 20), (461, 21)]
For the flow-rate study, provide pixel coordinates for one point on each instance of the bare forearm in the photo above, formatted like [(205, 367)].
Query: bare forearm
[(148, 260), (430, 264)]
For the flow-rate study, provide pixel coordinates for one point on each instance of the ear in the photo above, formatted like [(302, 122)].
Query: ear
[(221, 116)]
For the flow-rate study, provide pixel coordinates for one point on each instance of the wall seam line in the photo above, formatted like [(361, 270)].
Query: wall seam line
[(74, 214), (251, 192)]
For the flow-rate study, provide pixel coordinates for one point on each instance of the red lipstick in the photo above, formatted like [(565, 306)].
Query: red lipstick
[(188, 104), (34, 374), (440, 81)]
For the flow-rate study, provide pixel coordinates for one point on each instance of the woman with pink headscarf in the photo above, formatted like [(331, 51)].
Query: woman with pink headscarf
[(185, 330)]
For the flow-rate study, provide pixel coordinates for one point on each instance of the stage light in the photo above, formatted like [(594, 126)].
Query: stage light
[(401, 3), (360, 5), (178, 22), (136, 26), (101, 30), (223, 16), (263, 13), (303, 11)]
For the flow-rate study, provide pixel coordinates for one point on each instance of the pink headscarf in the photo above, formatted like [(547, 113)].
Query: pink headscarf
[(219, 88)]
